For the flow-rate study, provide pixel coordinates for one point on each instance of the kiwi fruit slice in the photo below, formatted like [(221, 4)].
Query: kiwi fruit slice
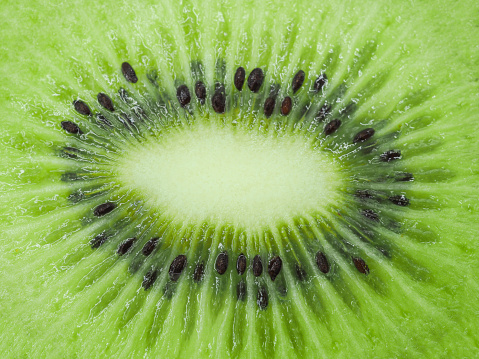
[(239, 179)]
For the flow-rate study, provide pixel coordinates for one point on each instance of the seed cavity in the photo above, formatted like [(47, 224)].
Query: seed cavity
[(200, 92), (361, 265), (262, 298), (257, 266), (404, 177), (286, 106), (390, 155), (320, 82), (218, 101), (82, 108), (128, 72), (322, 262), (331, 127), (255, 79), (199, 272), (269, 106), (149, 278), (241, 264), (103, 121), (105, 101), (183, 95), (241, 290), (370, 214), (363, 194), (98, 240), (298, 80), (149, 246), (274, 267), (221, 264), (239, 78), (124, 247), (363, 135), (399, 200), (104, 208), (71, 127), (176, 267), (324, 111), (300, 273)]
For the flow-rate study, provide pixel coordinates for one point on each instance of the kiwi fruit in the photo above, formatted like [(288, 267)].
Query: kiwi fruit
[(239, 179)]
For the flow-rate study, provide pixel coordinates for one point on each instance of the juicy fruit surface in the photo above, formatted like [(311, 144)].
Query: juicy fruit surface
[(391, 68)]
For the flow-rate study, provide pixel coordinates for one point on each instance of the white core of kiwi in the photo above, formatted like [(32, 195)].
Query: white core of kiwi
[(232, 175)]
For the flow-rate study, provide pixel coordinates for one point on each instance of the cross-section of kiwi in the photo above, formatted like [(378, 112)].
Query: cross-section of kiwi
[(239, 179)]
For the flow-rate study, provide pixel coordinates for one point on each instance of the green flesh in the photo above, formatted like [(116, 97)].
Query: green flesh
[(238, 182)]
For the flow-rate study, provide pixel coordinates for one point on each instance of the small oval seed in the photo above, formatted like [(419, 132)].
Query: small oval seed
[(124, 247), (82, 108), (98, 240), (128, 72), (200, 92), (221, 264), (298, 80), (105, 101), (149, 246), (255, 79), (239, 78), (262, 298), (322, 262), (241, 264), (399, 200), (370, 214), (390, 155), (286, 106), (149, 278), (176, 267), (363, 135), (300, 272), (361, 265), (257, 266), (274, 267), (71, 127), (320, 82), (324, 111), (331, 127), (269, 106), (104, 208), (183, 95), (199, 272), (218, 101)]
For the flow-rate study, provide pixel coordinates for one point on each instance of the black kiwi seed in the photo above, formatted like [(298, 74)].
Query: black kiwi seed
[(98, 240), (332, 126), (286, 106), (176, 267), (363, 194), (399, 200), (183, 95), (320, 82), (71, 127), (104, 208), (105, 101), (199, 272), (239, 78), (370, 214), (200, 92), (255, 79), (149, 246), (361, 265), (128, 72), (404, 177), (324, 111), (300, 272), (298, 80), (390, 155), (241, 264), (269, 106), (257, 266), (218, 101), (274, 267), (322, 262), (149, 278), (262, 298), (363, 135), (82, 108), (125, 246), (221, 264), (241, 290)]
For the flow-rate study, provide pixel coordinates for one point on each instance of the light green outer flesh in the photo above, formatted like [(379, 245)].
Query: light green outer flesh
[(42, 47)]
